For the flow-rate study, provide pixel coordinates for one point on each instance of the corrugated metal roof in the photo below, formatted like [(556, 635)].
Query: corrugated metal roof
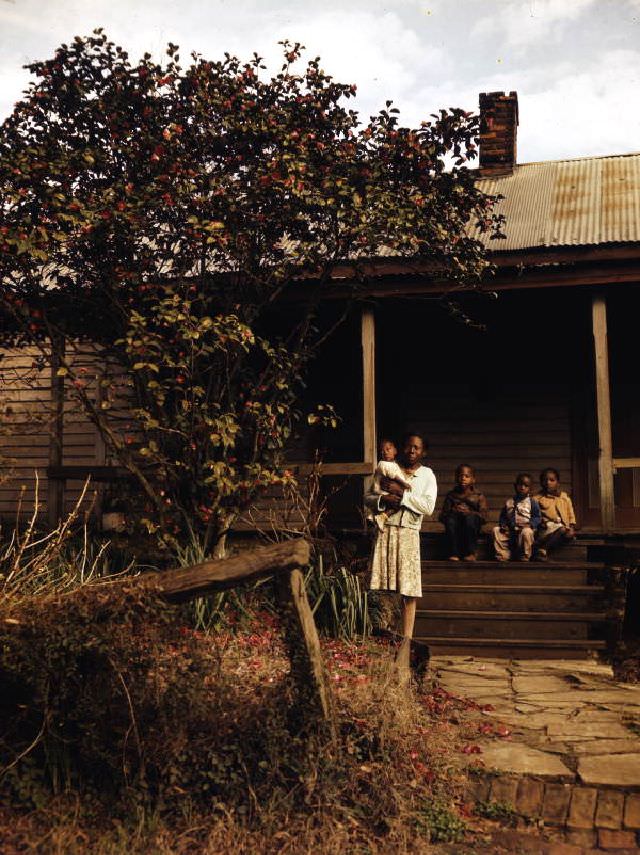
[(582, 202)]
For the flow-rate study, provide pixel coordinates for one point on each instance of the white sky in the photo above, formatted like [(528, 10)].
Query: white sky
[(574, 63)]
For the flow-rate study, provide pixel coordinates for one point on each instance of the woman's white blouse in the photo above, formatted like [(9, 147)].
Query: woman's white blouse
[(419, 500)]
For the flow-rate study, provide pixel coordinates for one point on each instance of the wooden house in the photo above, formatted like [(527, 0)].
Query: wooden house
[(537, 368)]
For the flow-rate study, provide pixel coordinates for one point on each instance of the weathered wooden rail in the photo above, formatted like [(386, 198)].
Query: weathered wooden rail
[(284, 561), (185, 583)]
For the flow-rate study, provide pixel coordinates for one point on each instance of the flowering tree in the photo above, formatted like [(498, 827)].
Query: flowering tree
[(165, 213)]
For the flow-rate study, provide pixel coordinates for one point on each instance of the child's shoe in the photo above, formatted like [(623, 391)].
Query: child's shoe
[(541, 555), (471, 557)]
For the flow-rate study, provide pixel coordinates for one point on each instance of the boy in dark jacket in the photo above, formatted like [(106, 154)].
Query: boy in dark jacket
[(519, 520), (463, 514)]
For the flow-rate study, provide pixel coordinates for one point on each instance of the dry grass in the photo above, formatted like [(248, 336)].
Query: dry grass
[(124, 731), (225, 769)]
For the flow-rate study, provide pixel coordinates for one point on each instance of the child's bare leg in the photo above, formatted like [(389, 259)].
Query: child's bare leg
[(409, 605), (550, 538)]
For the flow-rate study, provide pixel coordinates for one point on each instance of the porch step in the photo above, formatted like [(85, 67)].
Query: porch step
[(514, 648), (435, 546), (539, 625), (522, 598), (519, 609), (553, 574), (530, 616)]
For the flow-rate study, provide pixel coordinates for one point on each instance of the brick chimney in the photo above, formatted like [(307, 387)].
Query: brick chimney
[(498, 132)]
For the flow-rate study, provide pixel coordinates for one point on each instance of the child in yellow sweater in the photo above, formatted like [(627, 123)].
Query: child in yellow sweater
[(558, 517)]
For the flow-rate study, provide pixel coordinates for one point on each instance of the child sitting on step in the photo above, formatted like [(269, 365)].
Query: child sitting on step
[(387, 468), (558, 517), (519, 520), (463, 514)]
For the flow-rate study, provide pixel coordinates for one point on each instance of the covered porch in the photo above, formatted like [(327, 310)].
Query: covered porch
[(517, 382), (528, 379)]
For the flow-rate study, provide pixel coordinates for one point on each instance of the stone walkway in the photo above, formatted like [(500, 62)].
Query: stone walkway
[(556, 742), (567, 720)]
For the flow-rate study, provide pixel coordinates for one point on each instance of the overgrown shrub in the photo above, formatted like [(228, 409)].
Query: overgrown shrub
[(115, 712), (104, 695), (103, 692), (339, 600), (78, 681)]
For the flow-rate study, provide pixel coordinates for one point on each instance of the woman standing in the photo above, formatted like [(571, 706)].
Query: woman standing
[(395, 563)]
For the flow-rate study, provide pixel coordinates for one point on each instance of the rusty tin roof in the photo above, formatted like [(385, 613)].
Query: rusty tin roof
[(582, 202)]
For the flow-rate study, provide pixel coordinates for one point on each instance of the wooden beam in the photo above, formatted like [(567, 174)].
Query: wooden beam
[(217, 574), (55, 488), (368, 335), (361, 468), (603, 408), (626, 462), (415, 282), (535, 278), (283, 560), (527, 257)]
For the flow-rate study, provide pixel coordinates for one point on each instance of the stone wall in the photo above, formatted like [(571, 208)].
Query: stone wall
[(588, 817)]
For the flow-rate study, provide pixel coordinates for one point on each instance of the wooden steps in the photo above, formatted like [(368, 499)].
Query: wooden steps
[(515, 648), (478, 624), (513, 609), (434, 545), (512, 573)]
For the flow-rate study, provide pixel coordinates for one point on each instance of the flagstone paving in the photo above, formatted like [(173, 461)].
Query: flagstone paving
[(556, 720), (525, 761), (615, 770), (606, 746)]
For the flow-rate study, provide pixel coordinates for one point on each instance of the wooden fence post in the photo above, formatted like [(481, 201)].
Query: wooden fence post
[(303, 646), (368, 338)]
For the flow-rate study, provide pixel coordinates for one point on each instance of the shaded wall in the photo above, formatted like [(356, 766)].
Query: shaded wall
[(500, 398)]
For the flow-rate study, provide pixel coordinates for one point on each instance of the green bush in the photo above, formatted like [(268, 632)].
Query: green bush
[(441, 823), (101, 691), (501, 811), (339, 601)]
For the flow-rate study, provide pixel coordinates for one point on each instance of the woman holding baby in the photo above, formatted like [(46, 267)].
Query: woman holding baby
[(395, 562)]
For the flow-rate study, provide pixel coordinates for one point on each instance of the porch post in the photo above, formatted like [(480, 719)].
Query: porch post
[(55, 487), (603, 407), (368, 334)]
